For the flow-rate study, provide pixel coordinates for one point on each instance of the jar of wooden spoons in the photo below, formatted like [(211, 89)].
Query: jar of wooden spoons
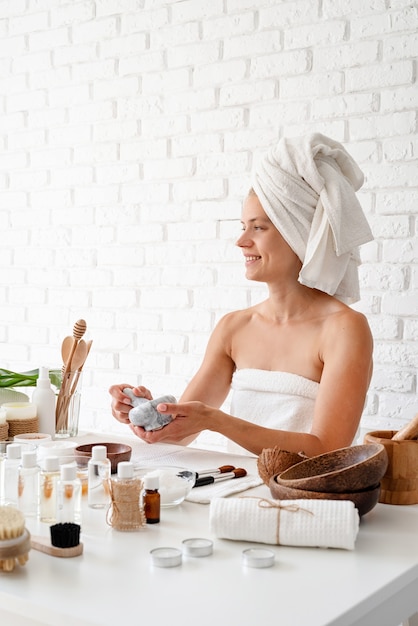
[(74, 351)]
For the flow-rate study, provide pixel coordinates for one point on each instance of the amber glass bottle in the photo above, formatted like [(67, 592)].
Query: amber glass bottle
[(151, 499)]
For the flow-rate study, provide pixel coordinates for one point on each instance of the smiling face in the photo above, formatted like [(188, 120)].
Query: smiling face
[(268, 258)]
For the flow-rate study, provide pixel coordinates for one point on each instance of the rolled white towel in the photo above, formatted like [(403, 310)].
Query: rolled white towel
[(310, 523)]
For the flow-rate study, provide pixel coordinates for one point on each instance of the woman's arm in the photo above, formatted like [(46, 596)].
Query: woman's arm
[(210, 385), (346, 348)]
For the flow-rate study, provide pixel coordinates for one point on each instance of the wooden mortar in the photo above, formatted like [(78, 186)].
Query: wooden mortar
[(399, 485)]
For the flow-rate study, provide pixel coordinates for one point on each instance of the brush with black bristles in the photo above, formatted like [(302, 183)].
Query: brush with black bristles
[(237, 472), (65, 541)]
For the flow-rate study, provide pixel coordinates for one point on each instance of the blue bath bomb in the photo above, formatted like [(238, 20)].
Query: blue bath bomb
[(144, 412)]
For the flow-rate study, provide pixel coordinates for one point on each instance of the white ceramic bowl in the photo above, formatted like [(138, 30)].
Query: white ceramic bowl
[(175, 482), (32, 440), (64, 450)]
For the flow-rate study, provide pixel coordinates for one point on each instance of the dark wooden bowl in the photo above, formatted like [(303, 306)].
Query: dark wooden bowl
[(364, 500), (345, 470), (116, 452)]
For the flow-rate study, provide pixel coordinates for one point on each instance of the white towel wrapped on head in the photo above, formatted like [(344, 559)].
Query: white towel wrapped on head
[(307, 186), (311, 523)]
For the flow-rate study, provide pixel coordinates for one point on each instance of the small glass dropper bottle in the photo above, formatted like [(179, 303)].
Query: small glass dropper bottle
[(98, 469), (28, 485), (69, 495), (50, 474), (11, 464), (151, 498)]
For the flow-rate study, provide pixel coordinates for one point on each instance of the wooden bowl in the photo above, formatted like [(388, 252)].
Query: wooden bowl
[(341, 471), (116, 452), (364, 500)]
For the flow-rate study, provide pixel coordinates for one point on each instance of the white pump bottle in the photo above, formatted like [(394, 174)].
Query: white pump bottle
[(44, 399)]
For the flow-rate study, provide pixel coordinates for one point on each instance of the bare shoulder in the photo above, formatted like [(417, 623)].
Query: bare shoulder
[(235, 320), (345, 332), (343, 318), (229, 327)]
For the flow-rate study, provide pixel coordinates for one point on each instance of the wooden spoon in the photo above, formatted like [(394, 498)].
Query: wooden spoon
[(79, 355), (66, 348), (79, 369)]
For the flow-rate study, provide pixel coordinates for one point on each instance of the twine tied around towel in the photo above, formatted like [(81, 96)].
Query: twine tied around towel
[(125, 511), (265, 503)]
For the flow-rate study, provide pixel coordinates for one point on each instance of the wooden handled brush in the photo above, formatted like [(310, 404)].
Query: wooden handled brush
[(65, 541), (14, 539), (238, 472)]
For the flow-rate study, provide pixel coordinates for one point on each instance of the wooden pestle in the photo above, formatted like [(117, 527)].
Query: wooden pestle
[(409, 431)]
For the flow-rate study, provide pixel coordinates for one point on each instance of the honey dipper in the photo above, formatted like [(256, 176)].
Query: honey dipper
[(14, 539), (78, 331)]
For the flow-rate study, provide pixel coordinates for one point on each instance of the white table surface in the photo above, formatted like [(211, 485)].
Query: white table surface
[(114, 582)]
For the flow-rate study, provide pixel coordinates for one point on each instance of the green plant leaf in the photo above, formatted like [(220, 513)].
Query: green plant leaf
[(26, 379)]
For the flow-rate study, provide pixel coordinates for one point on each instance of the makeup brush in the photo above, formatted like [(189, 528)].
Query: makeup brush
[(209, 480), (208, 472), (214, 472)]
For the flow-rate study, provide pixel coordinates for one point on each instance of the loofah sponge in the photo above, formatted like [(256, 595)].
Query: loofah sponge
[(273, 461), (144, 412)]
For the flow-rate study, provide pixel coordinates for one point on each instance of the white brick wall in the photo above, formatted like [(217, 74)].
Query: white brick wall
[(127, 134)]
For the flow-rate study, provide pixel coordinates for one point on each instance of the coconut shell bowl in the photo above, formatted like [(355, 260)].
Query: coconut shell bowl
[(352, 473), (116, 452)]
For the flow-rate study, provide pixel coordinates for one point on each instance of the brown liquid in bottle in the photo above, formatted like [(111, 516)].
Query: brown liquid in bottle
[(151, 499)]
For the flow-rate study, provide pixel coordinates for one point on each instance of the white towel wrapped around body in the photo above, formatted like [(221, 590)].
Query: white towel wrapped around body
[(307, 186), (279, 400), (310, 523)]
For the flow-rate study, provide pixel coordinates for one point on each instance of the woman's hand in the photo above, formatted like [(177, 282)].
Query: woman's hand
[(189, 419), (121, 403)]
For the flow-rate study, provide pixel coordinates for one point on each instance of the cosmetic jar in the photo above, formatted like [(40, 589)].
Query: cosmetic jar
[(257, 557)]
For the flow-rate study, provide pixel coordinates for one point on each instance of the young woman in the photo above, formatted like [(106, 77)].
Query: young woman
[(299, 363)]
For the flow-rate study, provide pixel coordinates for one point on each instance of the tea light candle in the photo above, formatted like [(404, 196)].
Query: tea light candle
[(257, 557), (197, 547), (166, 557), (19, 410)]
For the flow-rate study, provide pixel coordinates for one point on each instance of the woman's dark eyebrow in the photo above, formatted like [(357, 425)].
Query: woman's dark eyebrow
[(257, 219)]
